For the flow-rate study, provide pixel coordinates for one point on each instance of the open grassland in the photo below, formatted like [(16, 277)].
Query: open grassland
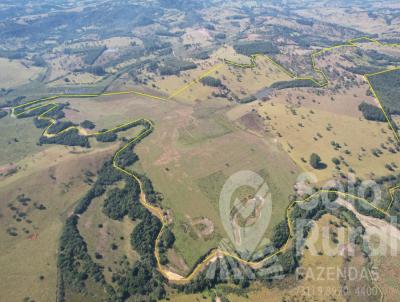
[(62, 65), (228, 53), (15, 73), (108, 112), (191, 145), (95, 292), (389, 274), (241, 82), (186, 143), (34, 203), (361, 20), (18, 140), (184, 151), (244, 82), (302, 131), (342, 102), (173, 83), (76, 78), (315, 256), (200, 36)]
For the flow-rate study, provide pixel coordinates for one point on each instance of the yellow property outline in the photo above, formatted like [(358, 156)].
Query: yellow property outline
[(324, 79), (157, 211)]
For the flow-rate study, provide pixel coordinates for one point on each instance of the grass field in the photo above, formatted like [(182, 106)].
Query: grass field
[(299, 128), (18, 140), (204, 132), (60, 176), (244, 82), (358, 20), (76, 78), (17, 73), (199, 166), (61, 65), (389, 269), (198, 143), (190, 144)]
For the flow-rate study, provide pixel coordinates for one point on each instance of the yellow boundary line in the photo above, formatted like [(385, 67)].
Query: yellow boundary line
[(366, 77), (195, 81), (158, 212), (324, 81)]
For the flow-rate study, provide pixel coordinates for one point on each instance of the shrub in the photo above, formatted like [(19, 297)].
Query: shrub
[(371, 112), (248, 99), (69, 138), (293, 84), (106, 137), (315, 161), (252, 47), (88, 124), (211, 81)]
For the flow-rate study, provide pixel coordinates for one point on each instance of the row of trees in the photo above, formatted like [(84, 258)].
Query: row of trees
[(371, 112), (68, 138), (387, 86), (255, 47), (293, 84), (74, 263), (141, 279), (174, 67), (211, 81), (60, 126), (107, 137)]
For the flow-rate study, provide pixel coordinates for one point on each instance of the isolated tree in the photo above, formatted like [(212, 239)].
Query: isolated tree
[(315, 161)]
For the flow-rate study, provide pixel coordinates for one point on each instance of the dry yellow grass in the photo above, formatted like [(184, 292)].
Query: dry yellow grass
[(114, 42), (358, 20), (199, 36), (303, 131), (190, 89), (61, 65), (77, 78), (15, 73), (242, 82), (389, 269), (319, 241), (245, 82)]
